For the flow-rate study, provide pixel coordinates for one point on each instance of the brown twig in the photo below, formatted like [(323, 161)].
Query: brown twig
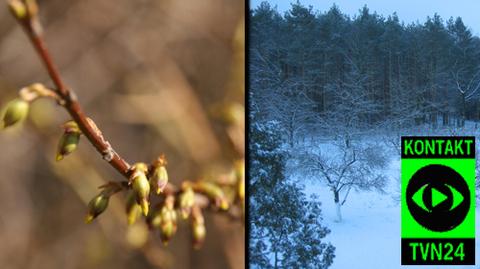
[(71, 103)]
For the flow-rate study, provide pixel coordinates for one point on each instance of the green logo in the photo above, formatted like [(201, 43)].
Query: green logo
[(437, 197), (438, 200)]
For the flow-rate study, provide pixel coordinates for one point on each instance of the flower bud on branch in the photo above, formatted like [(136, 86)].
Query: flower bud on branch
[(186, 200), (69, 139), (168, 225), (132, 209), (16, 112), (140, 185), (198, 227), (18, 9), (99, 203), (97, 206), (159, 177), (213, 192)]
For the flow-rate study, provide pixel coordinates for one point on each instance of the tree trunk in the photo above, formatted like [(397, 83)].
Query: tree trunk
[(434, 120), (291, 133), (347, 141), (464, 111), (276, 260), (445, 118), (291, 137), (336, 199)]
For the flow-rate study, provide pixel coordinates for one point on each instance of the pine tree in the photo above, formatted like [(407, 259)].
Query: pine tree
[(286, 229), (413, 73)]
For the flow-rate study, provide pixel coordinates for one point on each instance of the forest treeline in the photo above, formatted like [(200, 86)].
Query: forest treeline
[(325, 71)]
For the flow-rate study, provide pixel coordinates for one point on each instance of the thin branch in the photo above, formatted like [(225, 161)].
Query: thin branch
[(71, 104), (346, 195)]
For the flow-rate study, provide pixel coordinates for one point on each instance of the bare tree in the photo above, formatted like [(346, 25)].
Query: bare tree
[(344, 167), (467, 86)]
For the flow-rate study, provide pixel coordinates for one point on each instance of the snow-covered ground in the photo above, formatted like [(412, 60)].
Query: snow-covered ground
[(369, 236)]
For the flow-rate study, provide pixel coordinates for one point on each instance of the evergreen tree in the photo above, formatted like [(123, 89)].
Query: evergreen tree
[(286, 229)]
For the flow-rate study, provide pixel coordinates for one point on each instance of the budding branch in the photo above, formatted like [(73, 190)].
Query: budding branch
[(33, 29), (71, 104), (191, 196)]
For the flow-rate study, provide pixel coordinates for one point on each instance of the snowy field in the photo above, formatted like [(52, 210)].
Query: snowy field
[(369, 235)]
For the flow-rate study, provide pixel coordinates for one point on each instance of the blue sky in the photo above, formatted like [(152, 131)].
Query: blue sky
[(407, 10)]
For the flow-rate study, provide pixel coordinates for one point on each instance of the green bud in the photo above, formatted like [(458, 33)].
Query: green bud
[(96, 206), (67, 144), (199, 233), (222, 203), (159, 178), (71, 127), (133, 209), (215, 193), (168, 229), (18, 9), (186, 200), (141, 167), (168, 226), (69, 139), (141, 188), (198, 228), (17, 111)]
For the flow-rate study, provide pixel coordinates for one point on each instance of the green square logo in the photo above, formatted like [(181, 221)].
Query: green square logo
[(438, 200)]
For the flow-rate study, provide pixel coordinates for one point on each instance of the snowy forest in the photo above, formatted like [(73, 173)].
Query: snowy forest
[(330, 95), (361, 71)]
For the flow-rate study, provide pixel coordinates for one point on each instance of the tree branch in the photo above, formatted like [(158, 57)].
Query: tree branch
[(32, 28), (26, 14), (164, 198)]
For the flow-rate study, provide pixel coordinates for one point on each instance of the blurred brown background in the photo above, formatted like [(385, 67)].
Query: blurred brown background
[(154, 76)]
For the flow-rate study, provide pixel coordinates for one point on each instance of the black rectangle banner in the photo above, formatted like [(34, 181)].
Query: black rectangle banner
[(438, 147), (436, 251)]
